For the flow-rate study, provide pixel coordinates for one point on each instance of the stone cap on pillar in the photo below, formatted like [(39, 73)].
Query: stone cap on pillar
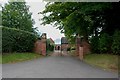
[(43, 36)]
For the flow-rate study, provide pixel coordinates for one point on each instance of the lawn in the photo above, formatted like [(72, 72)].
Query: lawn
[(18, 57), (105, 61), (0, 58)]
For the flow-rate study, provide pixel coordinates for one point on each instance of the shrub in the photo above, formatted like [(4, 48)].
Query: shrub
[(50, 46), (116, 43), (94, 42), (104, 43), (14, 40)]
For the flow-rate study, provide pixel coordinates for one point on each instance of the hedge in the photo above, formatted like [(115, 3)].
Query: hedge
[(116, 43), (15, 40), (105, 42)]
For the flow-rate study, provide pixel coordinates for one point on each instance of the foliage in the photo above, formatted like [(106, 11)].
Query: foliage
[(17, 15), (15, 40), (50, 46), (0, 40), (94, 42), (104, 43), (0, 18), (116, 43), (75, 18), (86, 19)]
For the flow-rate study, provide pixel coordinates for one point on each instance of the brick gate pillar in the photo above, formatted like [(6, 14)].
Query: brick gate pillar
[(79, 47), (40, 45), (77, 44), (81, 53), (43, 44)]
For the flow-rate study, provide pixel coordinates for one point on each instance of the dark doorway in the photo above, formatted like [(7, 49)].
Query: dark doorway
[(58, 47)]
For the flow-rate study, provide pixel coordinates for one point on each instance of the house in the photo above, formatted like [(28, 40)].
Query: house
[(57, 46)]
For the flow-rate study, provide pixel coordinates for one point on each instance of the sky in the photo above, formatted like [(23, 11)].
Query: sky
[(35, 8), (51, 31)]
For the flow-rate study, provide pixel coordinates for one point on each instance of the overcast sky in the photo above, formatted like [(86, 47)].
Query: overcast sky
[(36, 7), (51, 31)]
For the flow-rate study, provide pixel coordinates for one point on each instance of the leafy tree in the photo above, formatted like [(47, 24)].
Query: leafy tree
[(76, 17), (0, 14), (112, 19), (17, 15), (99, 20), (0, 18)]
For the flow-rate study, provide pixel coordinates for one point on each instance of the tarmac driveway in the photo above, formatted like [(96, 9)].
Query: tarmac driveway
[(54, 67)]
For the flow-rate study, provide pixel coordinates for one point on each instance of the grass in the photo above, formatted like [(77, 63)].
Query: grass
[(0, 58), (18, 57), (106, 61)]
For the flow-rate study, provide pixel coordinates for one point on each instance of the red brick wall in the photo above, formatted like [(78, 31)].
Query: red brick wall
[(77, 46), (82, 48), (64, 47), (37, 48), (86, 47), (40, 47)]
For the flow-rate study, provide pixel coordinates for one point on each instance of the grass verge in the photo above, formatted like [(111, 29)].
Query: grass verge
[(18, 57), (106, 61), (0, 58)]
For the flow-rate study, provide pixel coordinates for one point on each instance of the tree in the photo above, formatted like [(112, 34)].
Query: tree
[(17, 15), (0, 18), (93, 21), (75, 18)]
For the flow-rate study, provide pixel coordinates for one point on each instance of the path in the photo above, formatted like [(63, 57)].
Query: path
[(54, 67)]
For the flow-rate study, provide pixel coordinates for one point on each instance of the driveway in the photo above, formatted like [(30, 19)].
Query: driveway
[(54, 67)]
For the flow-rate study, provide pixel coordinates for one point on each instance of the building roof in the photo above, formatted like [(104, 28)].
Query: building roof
[(51, 40), (64, 40)]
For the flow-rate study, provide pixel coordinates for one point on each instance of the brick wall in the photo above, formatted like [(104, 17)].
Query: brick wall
[(86, 47), (40, 47), (64, 47), (82, 48)]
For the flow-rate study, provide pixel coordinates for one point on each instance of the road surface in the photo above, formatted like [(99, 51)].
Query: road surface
[(54, 67)]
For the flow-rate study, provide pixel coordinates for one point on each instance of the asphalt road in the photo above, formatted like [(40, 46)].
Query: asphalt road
[(54, 67)]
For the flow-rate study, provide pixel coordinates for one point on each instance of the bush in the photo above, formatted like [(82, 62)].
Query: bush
[(94, 42), (116, 43), (50, 46), (14, 40), (105, 43)]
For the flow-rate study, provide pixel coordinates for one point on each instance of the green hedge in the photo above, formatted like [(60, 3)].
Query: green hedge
[(106, 44), (116, 43), (14, 40), (94, 44)]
